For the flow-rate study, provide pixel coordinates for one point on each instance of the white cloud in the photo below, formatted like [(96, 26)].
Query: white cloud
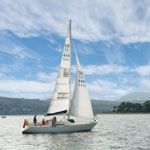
[(104, 69), (12, 68), (93, 20), (102, 84), (11, 87), (103, 89), (13, 47), (51, 40), (47, 77), (144, 85), (83, 48), (25, 86), (143, 70), (1, 75), (58, 49), (113, 69), (114, 52), (99, 89), (17, 51), (5, 68), (108, 90), (26, 89)]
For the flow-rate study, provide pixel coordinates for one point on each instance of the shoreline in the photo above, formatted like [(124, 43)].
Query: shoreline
[(102, 113)]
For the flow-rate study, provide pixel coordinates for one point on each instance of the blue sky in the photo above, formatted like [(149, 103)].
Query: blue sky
[(112, 39)]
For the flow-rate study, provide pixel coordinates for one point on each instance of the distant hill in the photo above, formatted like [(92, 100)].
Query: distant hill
[(21, 106), (103, 105), (136, 96)]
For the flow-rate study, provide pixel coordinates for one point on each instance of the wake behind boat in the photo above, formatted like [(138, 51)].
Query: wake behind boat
[(61, 103)]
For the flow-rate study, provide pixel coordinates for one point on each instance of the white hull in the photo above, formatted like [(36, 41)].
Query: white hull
[(75, 127)]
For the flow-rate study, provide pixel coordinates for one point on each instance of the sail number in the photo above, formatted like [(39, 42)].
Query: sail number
[(81, 81), (67, 47), (66, 57)]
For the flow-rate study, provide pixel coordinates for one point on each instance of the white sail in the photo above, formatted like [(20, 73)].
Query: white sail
[(60, 100), (81, 103)]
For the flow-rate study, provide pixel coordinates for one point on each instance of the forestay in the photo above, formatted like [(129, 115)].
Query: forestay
[(81, 103), (61, 96)]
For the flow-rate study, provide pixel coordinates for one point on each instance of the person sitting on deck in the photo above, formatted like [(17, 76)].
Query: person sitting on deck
[(26, 123), (43, 122), (53, 121)]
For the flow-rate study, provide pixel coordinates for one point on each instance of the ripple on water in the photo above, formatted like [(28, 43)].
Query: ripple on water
[(122, 132)]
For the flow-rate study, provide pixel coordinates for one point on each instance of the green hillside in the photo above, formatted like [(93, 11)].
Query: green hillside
[(21, 106), (103, 105)]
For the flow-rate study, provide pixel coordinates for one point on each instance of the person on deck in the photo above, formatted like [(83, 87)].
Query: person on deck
[(53, 121), (26, 123), (34, 120), (43, 122)]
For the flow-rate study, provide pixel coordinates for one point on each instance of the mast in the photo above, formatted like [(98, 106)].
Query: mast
[(70, 68)]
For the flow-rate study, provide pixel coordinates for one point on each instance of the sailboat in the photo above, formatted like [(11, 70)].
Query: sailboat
[(79, 108)]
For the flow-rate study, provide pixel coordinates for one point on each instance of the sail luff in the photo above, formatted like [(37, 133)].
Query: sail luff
[(60, 100)]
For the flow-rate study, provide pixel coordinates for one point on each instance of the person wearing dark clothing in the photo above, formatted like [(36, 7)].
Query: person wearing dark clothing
[(34, 120)]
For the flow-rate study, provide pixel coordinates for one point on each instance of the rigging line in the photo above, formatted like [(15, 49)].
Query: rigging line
[(75, 51)]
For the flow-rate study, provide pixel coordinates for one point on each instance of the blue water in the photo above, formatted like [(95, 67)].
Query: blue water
[(113, 132)]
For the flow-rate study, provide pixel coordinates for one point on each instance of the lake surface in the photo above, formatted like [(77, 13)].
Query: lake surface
[(113, 132)]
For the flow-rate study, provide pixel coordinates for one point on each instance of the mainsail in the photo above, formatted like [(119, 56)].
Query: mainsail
[(60, 100), (81, 103)]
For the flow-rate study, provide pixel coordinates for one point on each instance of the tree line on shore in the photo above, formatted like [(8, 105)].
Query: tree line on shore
[(133, 107), (21, 106)]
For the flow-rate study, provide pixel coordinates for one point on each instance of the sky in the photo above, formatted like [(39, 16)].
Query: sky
[(112, 39)]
